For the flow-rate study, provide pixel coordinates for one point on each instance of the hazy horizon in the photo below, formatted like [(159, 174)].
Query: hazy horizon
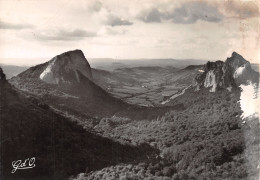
[(36, 61), (27, 62)]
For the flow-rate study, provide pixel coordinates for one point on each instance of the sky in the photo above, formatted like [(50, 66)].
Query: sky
[(33, 31)]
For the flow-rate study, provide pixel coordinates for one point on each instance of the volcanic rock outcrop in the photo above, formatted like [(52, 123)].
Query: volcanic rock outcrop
[(66, 67), (231, 73)]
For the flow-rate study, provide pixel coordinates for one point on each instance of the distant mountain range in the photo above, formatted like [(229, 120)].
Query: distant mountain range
[(11, 70), (112, 64)]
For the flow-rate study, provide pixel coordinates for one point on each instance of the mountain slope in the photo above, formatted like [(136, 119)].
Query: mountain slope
[(61, 148), (69, 88), (67, 77)]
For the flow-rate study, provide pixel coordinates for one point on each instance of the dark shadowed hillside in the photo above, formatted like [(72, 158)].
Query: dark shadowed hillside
[(206, 139), (61, 148)]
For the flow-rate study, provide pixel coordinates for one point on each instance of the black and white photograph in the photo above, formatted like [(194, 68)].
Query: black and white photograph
[(129, 89)]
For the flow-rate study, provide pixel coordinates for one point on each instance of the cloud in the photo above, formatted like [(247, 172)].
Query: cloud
[(104, 12), (63, 35), (187, 13), (110, 31), (13, 26), (191, 12), (116, 21), (242, 10), (96, 6), (152, 15), (112, 41)]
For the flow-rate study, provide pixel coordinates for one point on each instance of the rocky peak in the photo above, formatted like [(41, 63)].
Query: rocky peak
[(67, 67), (2, 75), (236, 61), (231, 73)]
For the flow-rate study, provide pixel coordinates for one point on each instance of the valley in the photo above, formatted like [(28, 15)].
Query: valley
[(146, 86)]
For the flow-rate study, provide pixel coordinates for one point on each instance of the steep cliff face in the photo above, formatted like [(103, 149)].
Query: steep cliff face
[(66, 68), (2, 75), (231, 73)]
